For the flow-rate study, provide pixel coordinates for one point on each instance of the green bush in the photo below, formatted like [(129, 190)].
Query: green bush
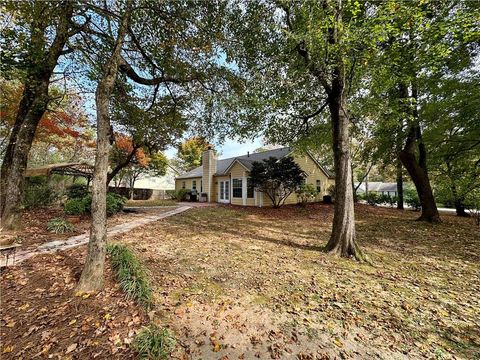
[(77, 206), (154, 343), (411, 198), (115, 203), (59, 225), (38, 194), (130, 274), (77, 191), (306, 193), (170, 193), (81, 206), (372, 198), (181, 194)]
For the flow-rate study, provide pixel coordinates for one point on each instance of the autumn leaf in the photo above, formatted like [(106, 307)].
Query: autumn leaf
[(71, 348)]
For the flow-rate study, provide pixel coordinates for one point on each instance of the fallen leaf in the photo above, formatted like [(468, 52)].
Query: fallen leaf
[(71, 348)]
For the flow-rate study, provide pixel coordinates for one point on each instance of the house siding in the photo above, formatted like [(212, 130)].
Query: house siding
[(314, 173), (188, 183)]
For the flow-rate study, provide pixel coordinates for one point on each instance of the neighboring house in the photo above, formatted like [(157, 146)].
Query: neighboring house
[(147, 187), (166, 182), (227, 180), (378, 187)]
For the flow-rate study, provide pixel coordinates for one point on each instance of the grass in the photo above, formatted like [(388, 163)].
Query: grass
[(130, 274), (150, 203), (154, 343), (259, 274), (60, 226)]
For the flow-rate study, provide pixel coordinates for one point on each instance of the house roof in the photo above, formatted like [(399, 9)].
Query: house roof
[(377, 186), (246, 160)]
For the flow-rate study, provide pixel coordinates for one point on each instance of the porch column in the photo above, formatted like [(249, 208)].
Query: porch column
[(244, 189)]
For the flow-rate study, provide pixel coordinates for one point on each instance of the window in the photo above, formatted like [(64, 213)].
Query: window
[(201, 186), (319, 188), (194, 184), (249, 188), (183, 184), (237, 188)]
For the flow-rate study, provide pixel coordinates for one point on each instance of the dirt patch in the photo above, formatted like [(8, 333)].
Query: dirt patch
[(238, 282), (42, 316)]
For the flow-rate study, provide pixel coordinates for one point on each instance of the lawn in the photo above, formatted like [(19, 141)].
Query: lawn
[(244, 283), (151, 203)]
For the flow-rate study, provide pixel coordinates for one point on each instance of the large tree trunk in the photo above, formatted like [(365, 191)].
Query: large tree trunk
[(342, 240), (32, 107), (399, 185), (92, 277), (417, 170)]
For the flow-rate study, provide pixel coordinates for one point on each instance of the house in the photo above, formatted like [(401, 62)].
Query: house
[(381, 188), (227, 180)]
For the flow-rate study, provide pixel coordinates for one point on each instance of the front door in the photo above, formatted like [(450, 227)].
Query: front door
[(224, 191)]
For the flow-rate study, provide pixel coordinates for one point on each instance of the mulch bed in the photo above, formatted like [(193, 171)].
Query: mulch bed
[(42, 315)]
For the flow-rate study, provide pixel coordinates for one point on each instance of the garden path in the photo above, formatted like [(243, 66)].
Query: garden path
[(82, 239)]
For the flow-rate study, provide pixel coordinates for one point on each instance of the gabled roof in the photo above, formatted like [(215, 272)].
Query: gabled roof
[(246, 161)]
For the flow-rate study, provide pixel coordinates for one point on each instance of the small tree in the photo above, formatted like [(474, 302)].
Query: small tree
[(278, 178), (189, 154)]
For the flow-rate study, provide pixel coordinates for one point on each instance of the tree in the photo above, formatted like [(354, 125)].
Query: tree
[(303, 60), (277, 178), (453, 137), (152, 129), (421, 41), (142, 162), (189, 154), (37, 36), (63, 133), (172, 71), (92, 277)]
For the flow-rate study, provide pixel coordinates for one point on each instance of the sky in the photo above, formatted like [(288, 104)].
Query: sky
[(230, 148)]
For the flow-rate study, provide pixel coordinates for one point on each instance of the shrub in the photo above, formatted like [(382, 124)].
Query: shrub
[(130, 274), (59, 225), (37, 195), (181, 194), (115, 203), (372, 198), (331, 191), (392, 200), (81, 206), (306, 193), (154, 343), (77, 206), (170, 194), (411, 198), (77, 191)]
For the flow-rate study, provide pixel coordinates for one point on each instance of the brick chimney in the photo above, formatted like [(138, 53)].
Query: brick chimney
[(209, 164)]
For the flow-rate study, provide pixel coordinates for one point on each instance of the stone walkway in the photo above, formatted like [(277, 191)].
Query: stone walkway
[(78, 240)]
